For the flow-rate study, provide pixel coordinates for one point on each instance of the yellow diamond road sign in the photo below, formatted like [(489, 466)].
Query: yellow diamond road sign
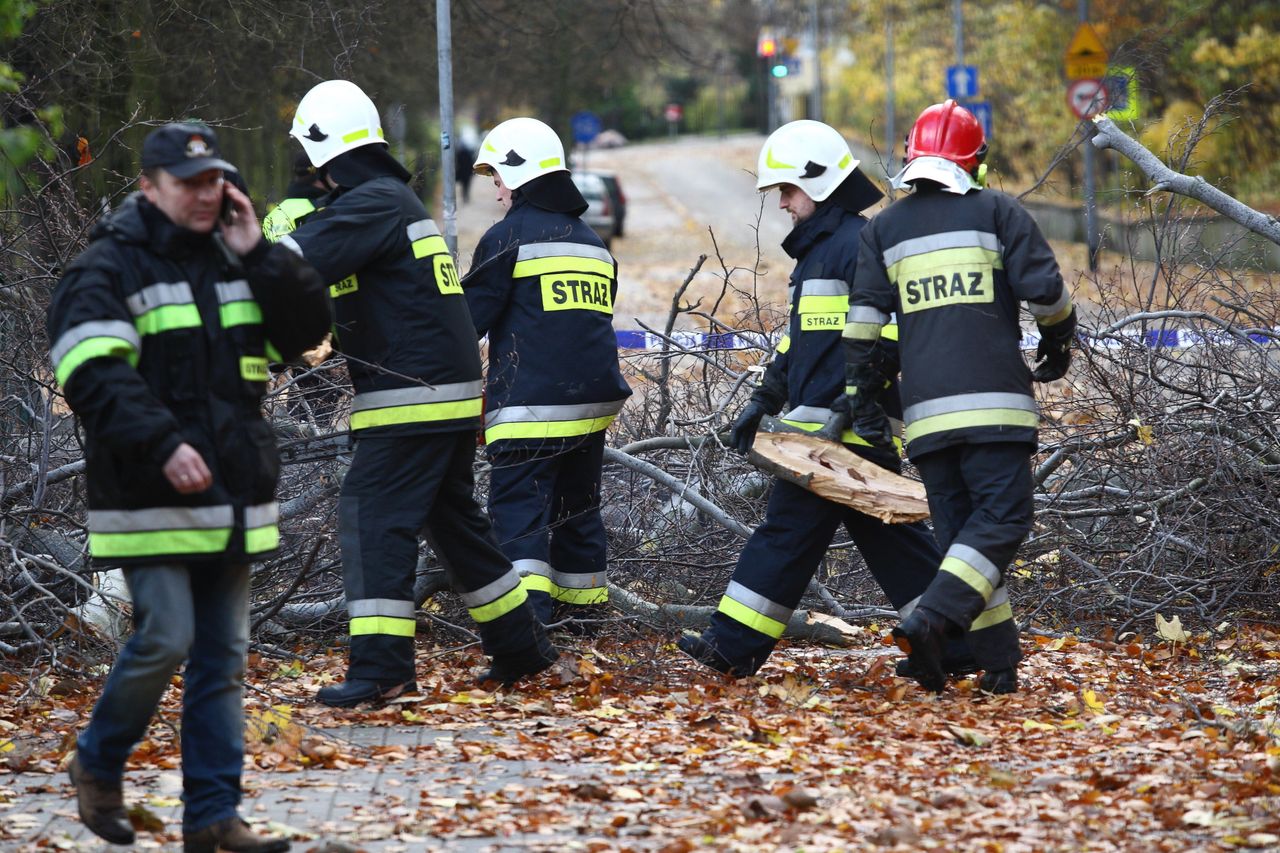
[(1086, 57)]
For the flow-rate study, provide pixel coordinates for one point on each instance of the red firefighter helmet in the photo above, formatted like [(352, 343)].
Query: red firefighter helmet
[(949, 131)]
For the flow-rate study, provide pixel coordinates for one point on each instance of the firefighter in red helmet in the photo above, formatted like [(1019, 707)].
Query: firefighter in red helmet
[(954, 262)]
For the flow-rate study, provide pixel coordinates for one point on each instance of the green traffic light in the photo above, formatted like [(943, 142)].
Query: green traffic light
[(779, 70)]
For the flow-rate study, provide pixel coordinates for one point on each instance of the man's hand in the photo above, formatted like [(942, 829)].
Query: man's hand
[(744, 428), (871, 424), (1052, 362), (835, 426), (242, 233), (186, 472)]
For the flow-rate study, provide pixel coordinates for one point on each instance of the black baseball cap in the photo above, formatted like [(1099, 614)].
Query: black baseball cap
[(183, 149)]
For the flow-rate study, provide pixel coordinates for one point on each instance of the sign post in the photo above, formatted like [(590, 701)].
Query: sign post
[(1086, 65), (586, 127)]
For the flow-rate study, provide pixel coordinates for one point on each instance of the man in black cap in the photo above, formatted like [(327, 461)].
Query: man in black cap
[(160, 336)]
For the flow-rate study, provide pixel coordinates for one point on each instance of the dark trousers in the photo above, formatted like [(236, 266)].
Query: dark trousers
[(545, 505), (782, 555), (396, 489), (980, 498)]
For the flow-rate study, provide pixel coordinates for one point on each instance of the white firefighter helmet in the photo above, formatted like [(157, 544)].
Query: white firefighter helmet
[(519, 150), (808, 154), (334, 117)]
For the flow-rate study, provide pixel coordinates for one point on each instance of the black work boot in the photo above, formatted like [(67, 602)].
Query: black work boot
[(922, 635), (952, 667), (705, 654), (101, 805), (508, 669), (230, 836), (999, 681), (354, 691)]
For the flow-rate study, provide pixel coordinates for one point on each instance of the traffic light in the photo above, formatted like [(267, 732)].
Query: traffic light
[(767, 46), (779, 69)]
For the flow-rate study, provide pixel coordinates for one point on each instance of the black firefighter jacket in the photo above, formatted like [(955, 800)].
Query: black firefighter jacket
[(161, 336), (542, 287), (954, 269), (402, 321), (808, 372)]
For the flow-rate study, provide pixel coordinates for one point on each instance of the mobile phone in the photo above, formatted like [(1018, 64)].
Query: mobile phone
[(227, 209)]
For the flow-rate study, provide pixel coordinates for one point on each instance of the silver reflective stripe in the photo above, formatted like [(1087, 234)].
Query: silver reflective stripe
[(422, 228), (414, 396), (545, 414), (905, 610), (157, 295), (491, 591), (808, 414), (824, 287), (260, 515), (160, 518), (591, 580), (758, 603), (93, 329), (292, 245), (972, 557), (791, 293), (947, 240), (531, 567), (530, 251), (233, 291), (999, 598), (380, 607), (968, 403), (1038, 310), (867, 314)]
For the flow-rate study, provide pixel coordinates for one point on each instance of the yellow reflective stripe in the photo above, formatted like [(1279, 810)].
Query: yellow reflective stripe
[(547, 429), (862, 331), (166, 318), (739, 612), (599, 595), (239, 314), (537, 583), (973, 418), (254, 368), (844, 161), (784, 344), (500, 606), (259, 539), (929, 263), (153, 543), (994, 616), (823, 305), (392, 626), (968, 574), (355, 134), (561, 263), (273, 353), (1057, 317), (420, 413), (848, 436), (889, 332), (549, 162), (433, 245), (104, 347)]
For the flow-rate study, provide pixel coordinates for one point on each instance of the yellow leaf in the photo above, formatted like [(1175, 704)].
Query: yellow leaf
[(7, 746), (1091, 699), (472, 697), (411, 717), (1144, 432), (1036, 725), (1171, 629), (968, 737), (164, 802)]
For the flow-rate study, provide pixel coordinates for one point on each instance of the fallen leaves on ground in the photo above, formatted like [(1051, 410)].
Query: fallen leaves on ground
[(628, 745)]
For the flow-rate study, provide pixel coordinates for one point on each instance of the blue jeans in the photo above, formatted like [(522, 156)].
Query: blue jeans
[(193, 612)]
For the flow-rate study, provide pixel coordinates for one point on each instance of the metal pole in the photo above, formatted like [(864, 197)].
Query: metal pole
[(957, 15), (444, 55), (815, 94), (1090, 202), (890, 133)]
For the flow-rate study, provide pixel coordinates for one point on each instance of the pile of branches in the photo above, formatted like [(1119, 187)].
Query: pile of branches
[(1156, 479)]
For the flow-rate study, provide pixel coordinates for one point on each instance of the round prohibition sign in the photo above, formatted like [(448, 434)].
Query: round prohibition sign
[(1087, 98)]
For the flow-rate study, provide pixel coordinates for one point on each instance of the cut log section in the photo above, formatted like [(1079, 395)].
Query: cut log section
[(838, 474)]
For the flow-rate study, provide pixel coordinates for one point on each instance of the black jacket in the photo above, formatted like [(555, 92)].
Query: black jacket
[(542, 286), (160, 336), (808, 372), (402, 321), (954, 269)]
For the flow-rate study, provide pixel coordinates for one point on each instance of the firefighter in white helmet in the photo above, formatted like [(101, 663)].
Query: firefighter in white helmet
[(403, 324), (821, 187), (543, 287)]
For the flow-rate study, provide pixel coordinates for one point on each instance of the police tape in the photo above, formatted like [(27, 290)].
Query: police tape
[(638, 339)]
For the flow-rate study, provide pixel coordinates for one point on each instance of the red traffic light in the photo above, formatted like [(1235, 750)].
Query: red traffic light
[(767, 47)]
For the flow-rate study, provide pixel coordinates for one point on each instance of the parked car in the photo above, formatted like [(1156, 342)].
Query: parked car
[(600, 214), (618, 198)]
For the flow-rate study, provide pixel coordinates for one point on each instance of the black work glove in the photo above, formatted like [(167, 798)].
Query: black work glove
[(835, 426), (743, 434), (1053, 355), (871, 424)]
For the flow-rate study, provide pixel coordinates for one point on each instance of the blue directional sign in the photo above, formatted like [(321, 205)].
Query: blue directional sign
[(586, 126), (962, 82), (982, 112)]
